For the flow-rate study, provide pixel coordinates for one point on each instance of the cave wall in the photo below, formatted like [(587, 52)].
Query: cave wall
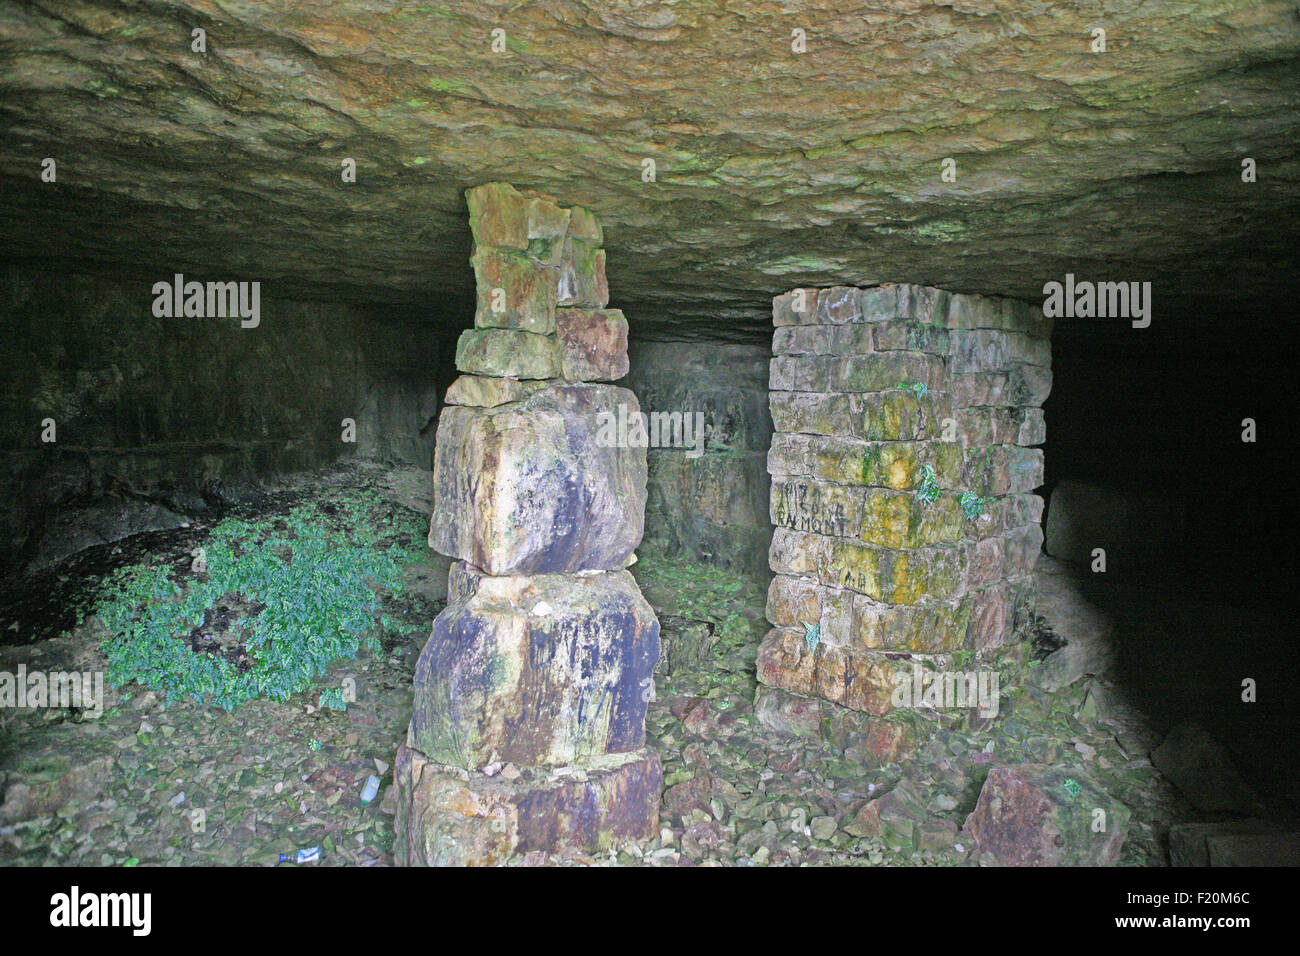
[(711, 508), (903, 475), (153, 413)]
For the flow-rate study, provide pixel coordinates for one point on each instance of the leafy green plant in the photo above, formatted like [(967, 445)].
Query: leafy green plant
[(928, 490), (972, 504), (332, 698), (919, 389), (308, 580)]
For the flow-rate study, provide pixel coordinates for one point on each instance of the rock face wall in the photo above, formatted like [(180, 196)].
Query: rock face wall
[(153, 413), (528, 729), (902, 485), (709, 507)]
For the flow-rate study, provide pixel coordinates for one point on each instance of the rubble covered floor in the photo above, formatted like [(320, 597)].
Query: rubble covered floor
[(273, 778)]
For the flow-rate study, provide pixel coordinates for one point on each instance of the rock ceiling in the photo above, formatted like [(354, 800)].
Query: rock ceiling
[(773, 168)]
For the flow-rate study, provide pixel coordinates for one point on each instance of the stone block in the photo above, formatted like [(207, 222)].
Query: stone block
[(1026, 318), (980, 388), (1084, 517), (897, 415), (796, 552), (1020, 385), (811, 413), (497, 216), (1030, 426), (851, 679), (1030, 385), (1036, 815), (855, 339), (901, 465), (1021, 548), (901, 335), (976, 425), (880, 371), (803, 340), (792, 600), (802, 602), (800, 373), (533, 487), (890, 464), (992, 350), (974, 312), (1019, 510), (1002, 470), (508, 353), (594, 344), (448, 817), (820, 507), (923, 304), (838, 305), (983, 350), (879, 303), (484, 392), (1008, 513), (536, 669), (584, 225), (901, 520), (796, 307), (991, 617), (1135, 530), (582, 276), (984, 425), (895, 577), (984, 562), (513, 292), (545, 218), (920, 629)]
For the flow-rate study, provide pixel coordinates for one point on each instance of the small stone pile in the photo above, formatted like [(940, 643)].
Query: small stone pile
[(902, 479), (528, 730)]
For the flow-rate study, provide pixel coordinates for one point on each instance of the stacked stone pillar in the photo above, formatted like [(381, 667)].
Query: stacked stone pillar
[(528, 729), (902, 476)]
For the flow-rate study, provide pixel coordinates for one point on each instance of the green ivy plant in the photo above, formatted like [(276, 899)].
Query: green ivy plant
[(332, 698), (928, 490), (315, 577), (972, 504)]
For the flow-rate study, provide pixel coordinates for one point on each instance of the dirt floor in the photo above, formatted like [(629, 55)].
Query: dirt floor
[(148, 784)]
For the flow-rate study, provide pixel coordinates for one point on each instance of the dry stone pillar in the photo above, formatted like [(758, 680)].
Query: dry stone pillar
[(528, 730), (903, 472)]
